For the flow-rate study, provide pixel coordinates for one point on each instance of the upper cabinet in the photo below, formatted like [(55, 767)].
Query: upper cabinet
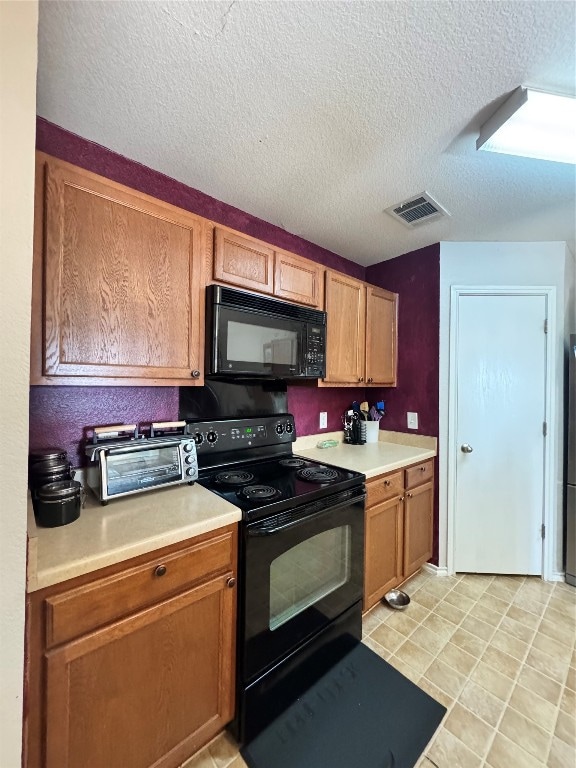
[(117, 283), (248, 263), (362, 333), (381, 336), (346, 329)]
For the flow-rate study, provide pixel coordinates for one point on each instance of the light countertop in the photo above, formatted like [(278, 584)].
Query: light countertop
[(136, 525), (392, 451), (124, 528)]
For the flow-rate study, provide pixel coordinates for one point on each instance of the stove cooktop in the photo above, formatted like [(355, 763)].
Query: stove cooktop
[(275, 484)]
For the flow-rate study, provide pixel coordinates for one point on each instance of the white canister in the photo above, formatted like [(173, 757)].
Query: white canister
[(372, 430)]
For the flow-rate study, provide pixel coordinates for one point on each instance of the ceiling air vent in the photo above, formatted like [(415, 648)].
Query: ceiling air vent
[(417, 210)]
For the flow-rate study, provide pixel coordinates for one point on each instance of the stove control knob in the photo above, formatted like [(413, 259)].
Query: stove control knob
[(279, 429), (289, 427), (198, 438), (211, 436)]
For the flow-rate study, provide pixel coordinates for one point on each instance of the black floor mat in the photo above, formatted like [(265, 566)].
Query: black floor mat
[(361, 714)]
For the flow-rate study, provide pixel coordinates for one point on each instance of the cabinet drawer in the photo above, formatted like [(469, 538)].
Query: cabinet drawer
[(419, 474), (85, 608), (384, 488)]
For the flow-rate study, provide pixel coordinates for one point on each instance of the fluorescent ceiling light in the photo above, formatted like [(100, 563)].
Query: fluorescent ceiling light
[(533, 124)]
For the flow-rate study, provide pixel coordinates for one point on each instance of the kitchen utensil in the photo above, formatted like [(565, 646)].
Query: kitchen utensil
[(374, 414)]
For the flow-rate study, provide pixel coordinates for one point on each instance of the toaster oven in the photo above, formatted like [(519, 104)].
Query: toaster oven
[(120, 466)]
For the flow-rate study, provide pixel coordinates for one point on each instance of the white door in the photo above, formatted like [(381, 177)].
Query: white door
[(499, 451)]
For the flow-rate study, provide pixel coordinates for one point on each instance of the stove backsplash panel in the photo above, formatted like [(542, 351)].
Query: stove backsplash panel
[(233, 400)]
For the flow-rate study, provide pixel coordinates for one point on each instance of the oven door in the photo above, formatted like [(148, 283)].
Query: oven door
[(302, 569), (250, 343)]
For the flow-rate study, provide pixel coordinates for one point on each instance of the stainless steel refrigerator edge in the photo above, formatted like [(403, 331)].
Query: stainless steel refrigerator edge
[(571, 469)]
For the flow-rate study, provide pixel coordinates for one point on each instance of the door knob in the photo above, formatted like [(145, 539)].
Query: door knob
[(465, 448)]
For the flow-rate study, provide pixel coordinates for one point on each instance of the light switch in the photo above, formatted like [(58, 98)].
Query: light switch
[(412, 420)]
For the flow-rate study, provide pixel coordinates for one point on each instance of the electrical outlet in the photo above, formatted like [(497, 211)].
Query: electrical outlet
[(323, 419), (412, 420)]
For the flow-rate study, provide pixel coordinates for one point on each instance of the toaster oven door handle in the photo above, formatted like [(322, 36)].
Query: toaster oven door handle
[(120, 449), (284, 521)]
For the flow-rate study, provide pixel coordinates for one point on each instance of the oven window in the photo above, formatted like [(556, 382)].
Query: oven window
[(249, 343), (121, 465), (308, 572)]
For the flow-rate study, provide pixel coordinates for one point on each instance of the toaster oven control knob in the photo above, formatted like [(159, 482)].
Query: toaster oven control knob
[(211, 436), (190, 471), (198, 438), (187, 447), (190, 459), (279, 429)]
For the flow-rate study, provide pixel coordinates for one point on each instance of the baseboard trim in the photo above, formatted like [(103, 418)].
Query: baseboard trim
[(435, 570), (557, 576)]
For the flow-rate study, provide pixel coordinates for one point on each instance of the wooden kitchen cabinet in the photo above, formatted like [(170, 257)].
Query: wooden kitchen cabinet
[(381, 337), (248, 263), (399, 528), (117, 284), (362, 334), (134, 667)]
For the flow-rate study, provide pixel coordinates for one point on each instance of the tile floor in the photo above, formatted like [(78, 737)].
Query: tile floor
[(497, 651)]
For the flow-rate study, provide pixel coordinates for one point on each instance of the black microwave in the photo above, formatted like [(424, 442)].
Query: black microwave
[(248, 335)]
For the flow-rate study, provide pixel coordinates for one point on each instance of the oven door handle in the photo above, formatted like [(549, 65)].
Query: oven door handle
[(293, 519)]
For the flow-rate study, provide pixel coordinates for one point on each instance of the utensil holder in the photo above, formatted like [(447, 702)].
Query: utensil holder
[(372, 431)]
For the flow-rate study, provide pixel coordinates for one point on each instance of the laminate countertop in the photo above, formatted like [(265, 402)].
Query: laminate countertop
[(393, 450), (136, 525), (120, 530)]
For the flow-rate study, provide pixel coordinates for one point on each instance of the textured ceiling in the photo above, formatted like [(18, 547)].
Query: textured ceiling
[(317, 116)]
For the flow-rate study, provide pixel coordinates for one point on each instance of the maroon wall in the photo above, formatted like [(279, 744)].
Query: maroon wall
[(416, 278), (59, 415)]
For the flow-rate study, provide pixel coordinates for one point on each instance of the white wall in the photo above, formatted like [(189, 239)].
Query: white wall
[(18, 52), (506, 264)]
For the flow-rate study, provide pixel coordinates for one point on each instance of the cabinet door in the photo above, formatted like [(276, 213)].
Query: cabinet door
[(418, 521), (243, 261), (299, 280), (381, 336), (148, 690), (122, 276), (382, 550), (346, 324)]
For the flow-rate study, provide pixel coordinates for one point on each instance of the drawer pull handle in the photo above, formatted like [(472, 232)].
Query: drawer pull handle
[(386, 483), (231, 582), (195, 374), (422, 469), (409, 495), (160, 570), (401, 498)]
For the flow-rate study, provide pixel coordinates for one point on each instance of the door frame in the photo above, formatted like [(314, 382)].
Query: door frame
[(549, 518)]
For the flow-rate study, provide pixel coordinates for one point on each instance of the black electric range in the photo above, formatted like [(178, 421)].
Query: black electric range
[(300, 563), (249, 462)]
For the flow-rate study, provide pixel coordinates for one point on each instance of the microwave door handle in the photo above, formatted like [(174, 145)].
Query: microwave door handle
[(298, 518)]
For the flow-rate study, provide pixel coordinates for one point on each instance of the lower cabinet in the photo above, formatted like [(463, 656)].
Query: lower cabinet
[(147, 678), (399, 525)]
